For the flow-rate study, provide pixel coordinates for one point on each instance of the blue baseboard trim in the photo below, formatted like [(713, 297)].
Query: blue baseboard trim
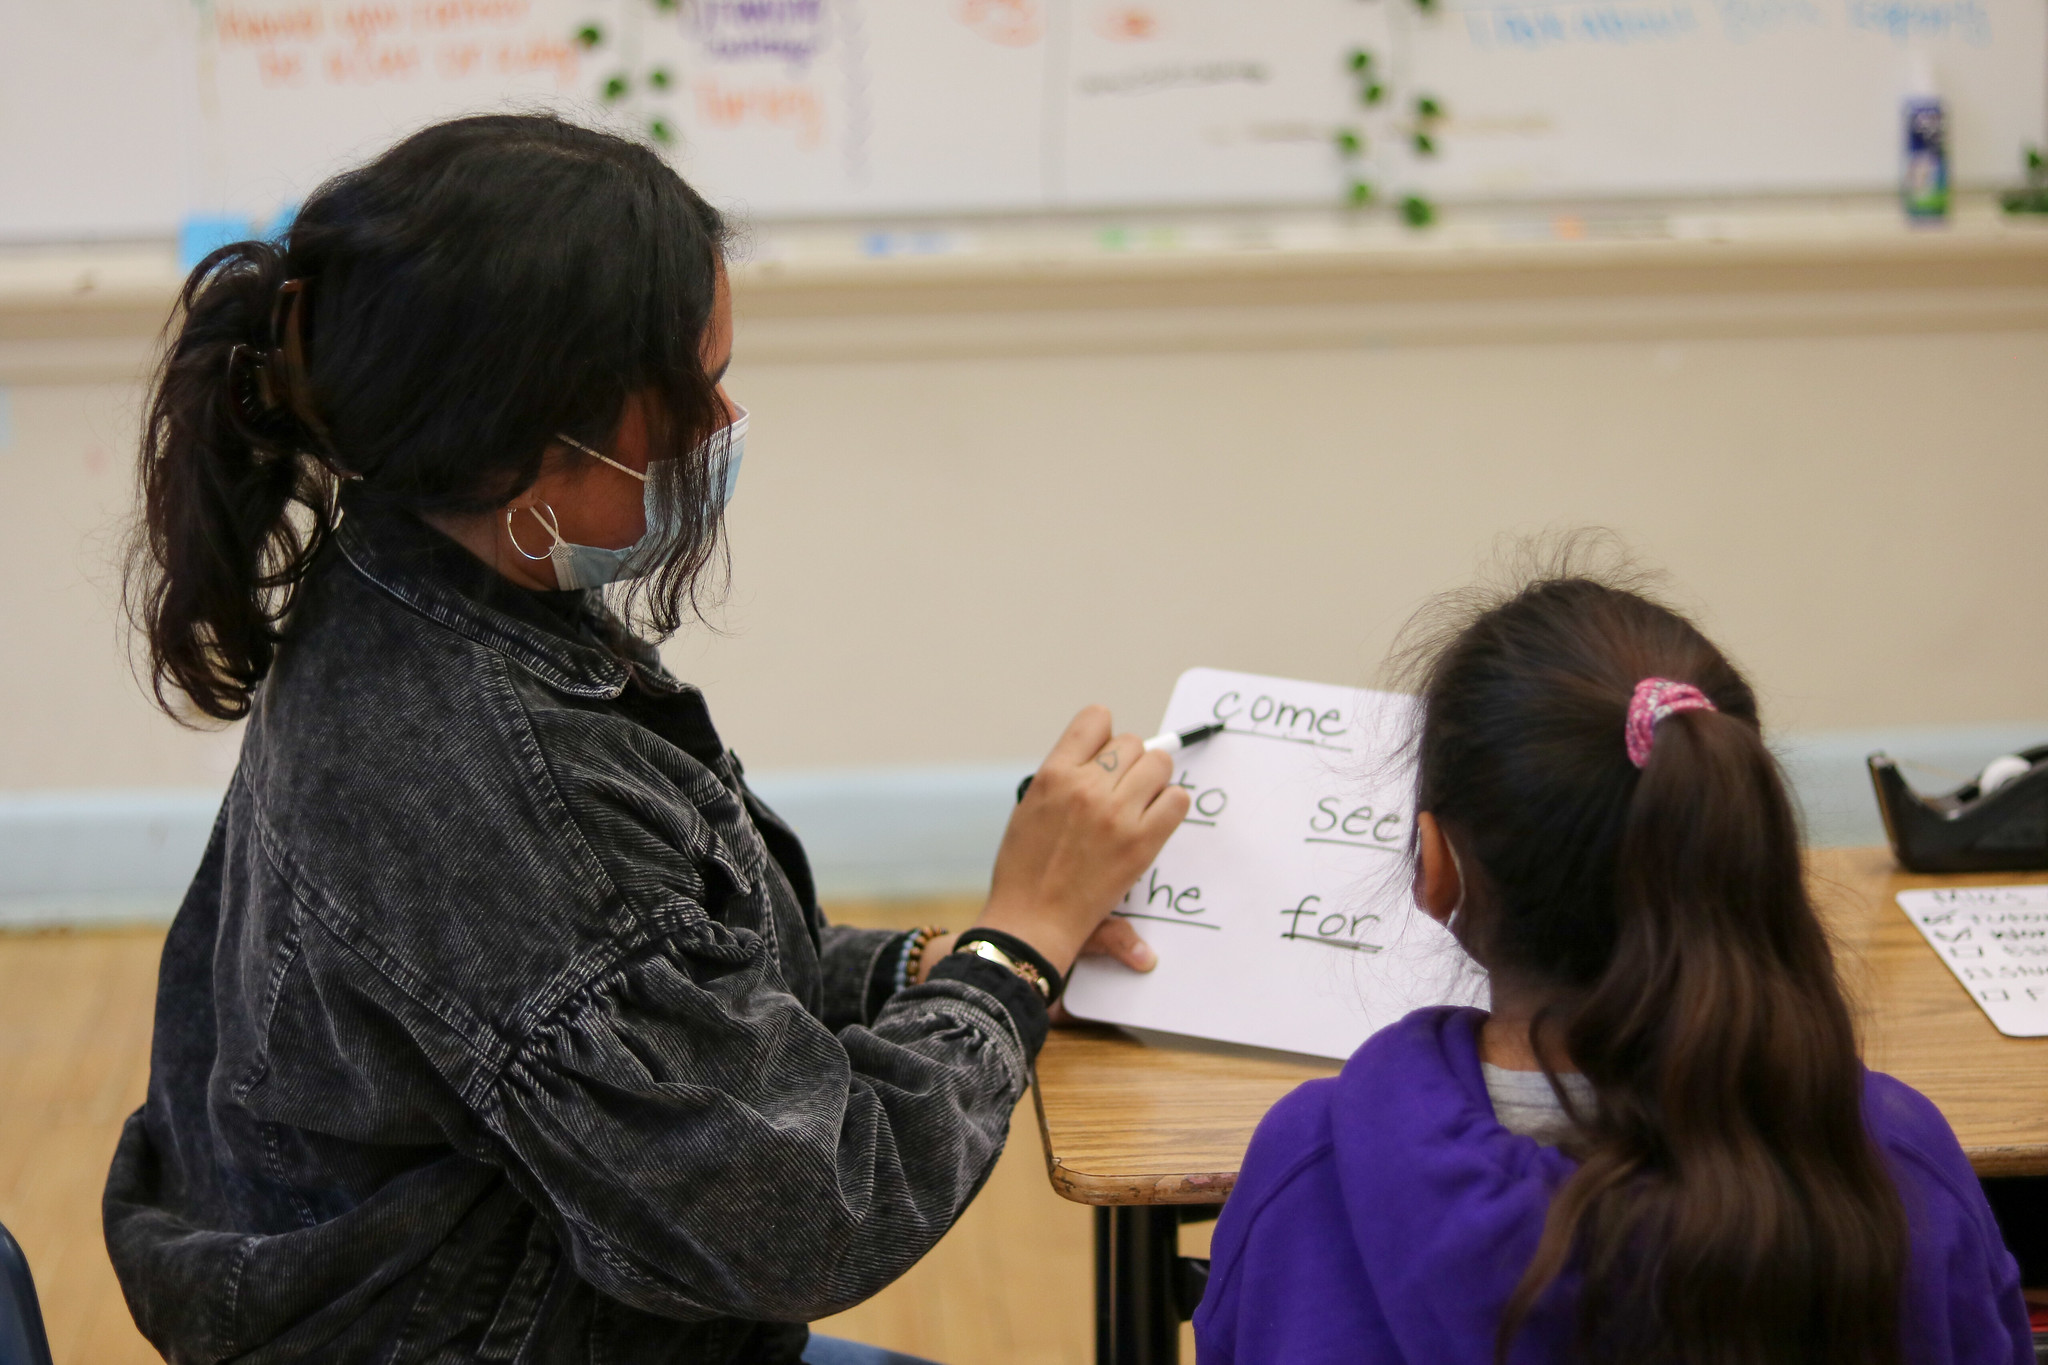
[(96, 858)]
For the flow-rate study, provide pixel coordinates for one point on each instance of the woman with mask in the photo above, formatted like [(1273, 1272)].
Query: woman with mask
[(500, 1021)]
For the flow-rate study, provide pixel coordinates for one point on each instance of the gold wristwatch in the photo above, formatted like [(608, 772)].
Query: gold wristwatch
[(981, 947)]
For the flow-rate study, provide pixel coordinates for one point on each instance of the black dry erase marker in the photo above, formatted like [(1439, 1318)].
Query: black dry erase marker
[(1170, 742)]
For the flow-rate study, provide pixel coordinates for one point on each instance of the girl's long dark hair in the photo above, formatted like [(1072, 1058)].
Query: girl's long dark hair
[(481, 286), (1728, 1206)]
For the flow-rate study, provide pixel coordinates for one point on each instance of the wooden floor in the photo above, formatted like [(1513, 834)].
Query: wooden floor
[(1011, 1283)]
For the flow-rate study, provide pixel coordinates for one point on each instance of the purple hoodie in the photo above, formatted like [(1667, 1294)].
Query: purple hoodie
[(1384, 1216)]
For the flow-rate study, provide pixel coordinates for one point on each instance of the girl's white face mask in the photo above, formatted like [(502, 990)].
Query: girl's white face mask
[(593, 566)]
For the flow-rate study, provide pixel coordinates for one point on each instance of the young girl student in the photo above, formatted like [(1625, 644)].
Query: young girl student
[(501, 1021), (1659, 1145)]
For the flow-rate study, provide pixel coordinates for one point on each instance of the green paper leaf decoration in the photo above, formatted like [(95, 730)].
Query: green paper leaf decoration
[(1425, 145), (659, 78), (589, 36), (1350, 142), (616, 87), (661, 132), (1417, 212), (1360, 194)]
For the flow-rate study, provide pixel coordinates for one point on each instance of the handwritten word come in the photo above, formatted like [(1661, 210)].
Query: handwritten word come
[(1272, 717)]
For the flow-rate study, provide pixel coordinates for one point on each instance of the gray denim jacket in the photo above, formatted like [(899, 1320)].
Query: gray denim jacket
[(500, 1022)]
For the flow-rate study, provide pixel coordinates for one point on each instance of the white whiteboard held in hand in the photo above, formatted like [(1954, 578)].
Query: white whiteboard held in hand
[(1995, 939), (1281, 909)]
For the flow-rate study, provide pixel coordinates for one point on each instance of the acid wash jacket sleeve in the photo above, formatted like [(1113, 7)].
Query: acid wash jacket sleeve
[(500, 1022), (681, 1099)]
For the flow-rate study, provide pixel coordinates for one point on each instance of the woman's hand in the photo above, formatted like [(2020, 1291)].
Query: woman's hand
[(1097, 813)]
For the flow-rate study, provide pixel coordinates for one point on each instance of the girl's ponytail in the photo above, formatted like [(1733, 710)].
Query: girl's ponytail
[(1634, 852), (233, 509), (1730, 1132)]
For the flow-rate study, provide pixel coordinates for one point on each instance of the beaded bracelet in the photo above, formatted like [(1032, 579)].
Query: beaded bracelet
[(910, 956)]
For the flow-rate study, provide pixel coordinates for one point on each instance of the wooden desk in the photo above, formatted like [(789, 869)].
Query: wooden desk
[(1136, 1128)]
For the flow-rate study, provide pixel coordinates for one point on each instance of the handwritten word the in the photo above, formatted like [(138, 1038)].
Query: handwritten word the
[(1185, 903)]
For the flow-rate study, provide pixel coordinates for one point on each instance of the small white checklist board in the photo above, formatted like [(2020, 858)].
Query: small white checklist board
[(1281, 910), (1995, 939)]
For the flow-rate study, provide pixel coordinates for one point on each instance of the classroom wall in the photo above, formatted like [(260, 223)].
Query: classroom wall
[(940, 549)]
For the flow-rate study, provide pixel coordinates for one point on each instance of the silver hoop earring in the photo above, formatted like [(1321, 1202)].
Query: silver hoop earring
[(548, 523)]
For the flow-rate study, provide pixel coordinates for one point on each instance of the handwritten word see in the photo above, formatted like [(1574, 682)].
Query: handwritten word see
[(1360, 825)]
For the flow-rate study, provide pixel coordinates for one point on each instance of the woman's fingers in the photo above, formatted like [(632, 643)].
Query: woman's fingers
[(1163, 816), (1115, 937), (1145, 778), (1086, 733), (1118, 757)]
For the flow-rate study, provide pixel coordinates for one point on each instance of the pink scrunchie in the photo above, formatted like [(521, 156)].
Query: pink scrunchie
[(1655, 699)]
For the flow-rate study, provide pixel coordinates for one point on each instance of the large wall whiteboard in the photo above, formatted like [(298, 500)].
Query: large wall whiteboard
[(122, 117)]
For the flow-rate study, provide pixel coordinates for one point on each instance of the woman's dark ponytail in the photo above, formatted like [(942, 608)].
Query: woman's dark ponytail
[(1728, 1207), (234, 507), (432, 323)]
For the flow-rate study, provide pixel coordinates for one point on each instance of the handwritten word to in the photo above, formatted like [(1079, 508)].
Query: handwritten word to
[(1358, 827), (1995, 940), (1337, 928), (1185, 903), (1206, 804), (1270, 717)]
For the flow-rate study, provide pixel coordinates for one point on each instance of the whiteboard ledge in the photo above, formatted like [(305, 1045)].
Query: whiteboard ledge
[(1156, 245)]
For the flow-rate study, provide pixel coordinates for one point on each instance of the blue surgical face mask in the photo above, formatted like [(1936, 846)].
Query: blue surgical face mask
[(593, 566)]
